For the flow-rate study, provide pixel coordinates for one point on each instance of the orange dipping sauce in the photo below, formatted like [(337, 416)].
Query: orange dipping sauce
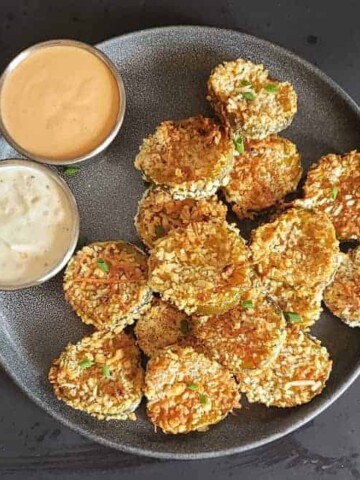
[(60, 103)]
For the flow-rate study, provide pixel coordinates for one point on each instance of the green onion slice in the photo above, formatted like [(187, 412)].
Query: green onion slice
[(271, 88), (248, 95), (192, 386), (293, 317), (104, 266), (248, 304), (239, 144), (71, 171), (334, 193), (86, 364)]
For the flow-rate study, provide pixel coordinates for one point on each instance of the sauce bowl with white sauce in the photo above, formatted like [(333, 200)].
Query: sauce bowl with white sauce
[(39, 224), (62, 102)]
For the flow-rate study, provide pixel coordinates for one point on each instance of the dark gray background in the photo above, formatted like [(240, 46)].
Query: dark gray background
[(33, 445)]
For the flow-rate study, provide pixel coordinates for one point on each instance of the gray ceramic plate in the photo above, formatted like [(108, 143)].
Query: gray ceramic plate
[(164, 72)]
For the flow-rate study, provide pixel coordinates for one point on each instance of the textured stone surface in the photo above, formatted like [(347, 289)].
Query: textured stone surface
[(328, 446)]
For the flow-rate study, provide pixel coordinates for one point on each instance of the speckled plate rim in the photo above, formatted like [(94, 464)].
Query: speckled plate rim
[(181, 29)]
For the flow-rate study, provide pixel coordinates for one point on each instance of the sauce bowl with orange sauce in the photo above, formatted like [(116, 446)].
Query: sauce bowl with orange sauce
[(62, 102)]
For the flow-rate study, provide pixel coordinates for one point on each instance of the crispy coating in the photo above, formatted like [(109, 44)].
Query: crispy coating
[(100, 375), (190, 158), (268, 170), (159, 326), (244, 97), (203, 268), (186, 391), (245, 337), (106, 283), (305, 301), (333, 186), (297, 375), (299, 248), (296, 256), (342, 296), (159, 213)]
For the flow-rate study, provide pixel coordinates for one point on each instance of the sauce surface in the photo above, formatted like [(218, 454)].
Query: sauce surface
[(36, 224), (61, 102)]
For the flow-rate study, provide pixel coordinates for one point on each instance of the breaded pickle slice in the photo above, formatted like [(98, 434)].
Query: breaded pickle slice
[(299, 248), (159, 212), (190, 157), (297, 375), (342, 296), (160, 326), (248, 337), (100, 375), (203, 268), (268, 170), (106, 283), (186, 391), (247, 99), (333, 186)]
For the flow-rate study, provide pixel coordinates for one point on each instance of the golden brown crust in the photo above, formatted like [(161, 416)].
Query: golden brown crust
[(187, 391), (160, 326), (342, 296), (100, 375), (297, 375), (159, 213), (247, 337), (190, 158), (108, 297), (244, 97), (202, 268), (296, 256), (299, 248), (333, 186), (268, 170)]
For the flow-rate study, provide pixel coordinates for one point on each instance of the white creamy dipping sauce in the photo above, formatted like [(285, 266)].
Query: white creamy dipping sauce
[(37, 224)]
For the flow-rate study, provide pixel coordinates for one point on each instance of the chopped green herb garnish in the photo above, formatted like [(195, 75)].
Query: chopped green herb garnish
[(271, 88), (334, 193), (159, 231), (192, 386), (106, 371), (246, 83), (248, 304), (82, 241), (86, 364), (204, 399), (104, 266), (248, 95), (239, 144), (293, 317), (184, 327), (71, 171)]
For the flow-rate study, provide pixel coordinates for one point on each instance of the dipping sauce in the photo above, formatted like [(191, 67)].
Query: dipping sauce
[(60, 102), (38, 223)]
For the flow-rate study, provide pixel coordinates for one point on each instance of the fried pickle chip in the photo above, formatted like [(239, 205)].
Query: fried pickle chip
[(342, 296), (106, 283), (186, 391), (333, 186), (268, 170), (190, 158), (100, 375), (203, 268), (249, 336), (247, 99), (297, 375)]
